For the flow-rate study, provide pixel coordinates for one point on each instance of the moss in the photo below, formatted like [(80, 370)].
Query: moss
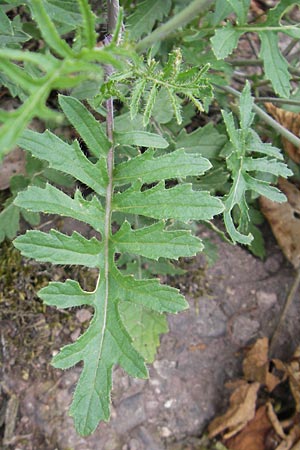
[(33, 331)]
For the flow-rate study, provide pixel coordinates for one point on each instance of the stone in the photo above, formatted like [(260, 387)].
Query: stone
[(266, 300), (244, 329), (83, 315), (130, 413)]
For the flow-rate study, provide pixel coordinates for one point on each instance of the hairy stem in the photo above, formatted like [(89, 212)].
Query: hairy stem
[(268, 119), (113, 9), (182, 18)]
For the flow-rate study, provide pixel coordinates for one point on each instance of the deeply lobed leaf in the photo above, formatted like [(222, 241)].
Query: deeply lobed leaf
[(113, 336), (244, 142)]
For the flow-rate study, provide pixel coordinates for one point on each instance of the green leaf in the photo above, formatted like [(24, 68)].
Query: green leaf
[(225, 40), (206, 141), (162, 110), (154, 242), (88, 24), (241, 8), (140, 138), (58, 248), (88, 127), (149, 168), (10, 32), (275, 14), (148, 293), (31, 217), (48, 30), (264, 188), (149, 105), (136, 95), (66, 12), (176, 105), (19, 76), (267, 165), (144, 327), (9, 222), (179, 202), (66, 295), (66, 158), (53, 201), (254, 144), (5, 24), (240, 161), (105, 343), (275, 65), (246, 105), (221, 11), (145, 15)]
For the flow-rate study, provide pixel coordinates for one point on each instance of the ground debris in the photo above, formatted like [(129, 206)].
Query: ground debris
[(284, 219), (252, 422)]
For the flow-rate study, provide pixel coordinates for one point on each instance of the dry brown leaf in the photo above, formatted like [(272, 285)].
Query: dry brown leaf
[(296, 446), (13, 164), (275, 421), (284, 219), (253, 436), (241, 410), (293, 372), (291, 121), (291, 439), (256, 365)]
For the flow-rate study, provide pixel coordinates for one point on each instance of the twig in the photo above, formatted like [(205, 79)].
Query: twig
[(284, 101), (182, 18), (289, 300)]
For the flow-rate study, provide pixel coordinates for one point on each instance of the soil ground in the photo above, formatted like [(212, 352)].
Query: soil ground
[(231, 304)]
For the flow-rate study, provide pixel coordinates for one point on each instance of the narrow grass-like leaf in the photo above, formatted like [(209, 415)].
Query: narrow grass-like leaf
[(177, 164), (149, 104), (136, 95), (48, 30), (88, 23), (175, 102), (154, 242), (58, 248)]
